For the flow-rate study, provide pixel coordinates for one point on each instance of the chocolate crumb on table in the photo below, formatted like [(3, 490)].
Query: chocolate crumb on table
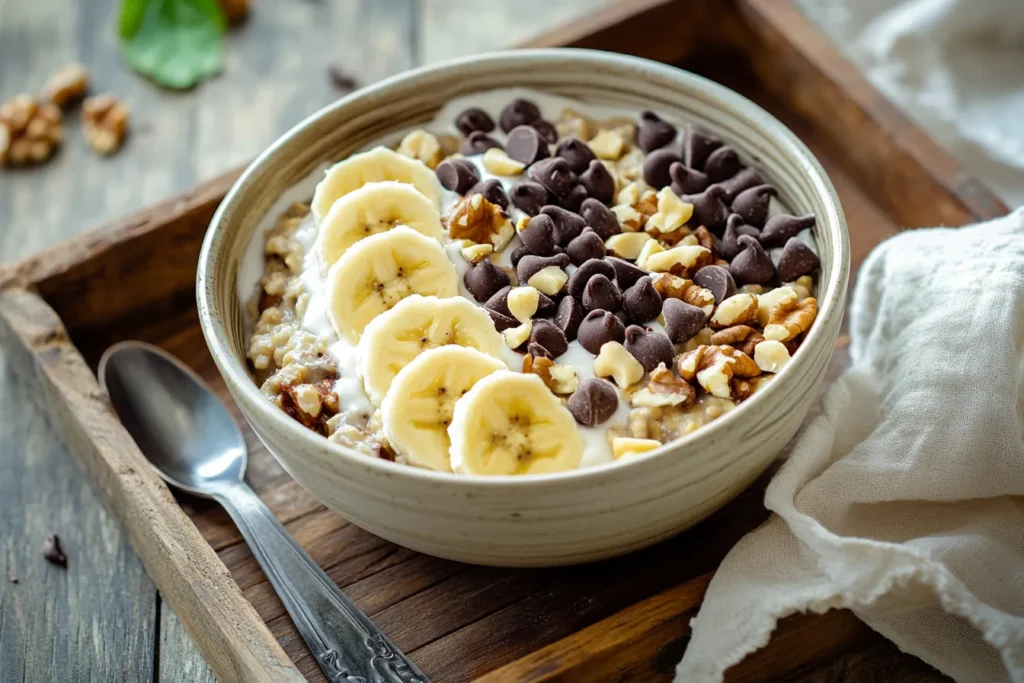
[(53, 552)]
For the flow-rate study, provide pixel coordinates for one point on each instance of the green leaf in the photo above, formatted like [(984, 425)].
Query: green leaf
[(177, 43)]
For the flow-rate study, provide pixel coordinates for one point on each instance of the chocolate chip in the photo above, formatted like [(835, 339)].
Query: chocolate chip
[(752, 204), (585, 247), (601, 293), (682, 320), (525, 145), (797, 259), (698, 147), (578, 280), (518, 253), (642, 302), (569, 316), (779, 228), (457, 175), (568, 225), (708, 208), (600, 218), (547, 334), (473, 119), (685, 180), (547, 131), (537, 351), (498, 302), (554, 174), (341, 79), (599, 328), (529, 265), (518, 112), (502, 322), (752, 266), (484, 278), (576, 153), (656, 167), (594, 402), (599, 182), (717, 280), (743, 180), (529, 196), (545, 306), (652, 132), (539, 235), (626, 274), (478, 143), (492, 191), (722, 164), (574, 199), (52, 551), (650, 348), (622, 316), (729, 246)]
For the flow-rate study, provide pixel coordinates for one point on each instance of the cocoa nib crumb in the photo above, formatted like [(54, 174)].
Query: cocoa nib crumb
[(53, 552), (13, 579), (341, 79)]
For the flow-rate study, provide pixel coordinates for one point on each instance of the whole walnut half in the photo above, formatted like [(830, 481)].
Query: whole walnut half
[(30, 131)]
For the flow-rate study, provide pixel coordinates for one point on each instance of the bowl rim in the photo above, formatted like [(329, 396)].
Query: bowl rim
[(237, 376)]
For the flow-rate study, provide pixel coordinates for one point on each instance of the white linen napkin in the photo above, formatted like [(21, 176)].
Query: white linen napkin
[(904, 499)]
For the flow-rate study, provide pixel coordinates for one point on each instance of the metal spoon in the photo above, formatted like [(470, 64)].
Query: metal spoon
[(189, 437)]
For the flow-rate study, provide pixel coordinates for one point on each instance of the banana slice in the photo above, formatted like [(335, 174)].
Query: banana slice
[(372, 209), (418, 407), (511, 423), (418, 323), (377, 272), (380, 163)]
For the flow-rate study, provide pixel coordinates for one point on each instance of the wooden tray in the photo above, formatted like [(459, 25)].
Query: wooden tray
[(625, 619)]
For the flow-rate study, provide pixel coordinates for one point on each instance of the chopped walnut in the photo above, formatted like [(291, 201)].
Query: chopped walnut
[(670, 286), (478, 220), (31, 131), (742, 337), (683, 261), (802, 286), (105, 123), (560, 379), (664, 389), (707, 240), (607, 144), (714, 368), (672, 214), (736, 310), (789, 319), (574, 123), (68, 85)]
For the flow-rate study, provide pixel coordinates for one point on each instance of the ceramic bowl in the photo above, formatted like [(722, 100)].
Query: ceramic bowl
[(541, 520)]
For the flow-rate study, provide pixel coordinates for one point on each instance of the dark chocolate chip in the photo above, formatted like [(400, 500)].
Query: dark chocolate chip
[(709, 209), (537, 351), (594, 402), (716, 279), (529, 265), (600, 218), (574, 199), (641, 302), (525, 145), (779, 228), (601, 293), (650, 348), (576, 153), (752, 204), (547, 131), (698, 147), (569, 316), (529, 196), (53, 552), (685, 180), (729, 246), (545, 306), (498, 302), (518, 112), (585, 247), (539, 235), (653, 132), (743, 180), (578, 280), (682, 320), (598, 182), (626, 273), (722, 164), (457, 175), (752, 266), (518, 253), (484, 278), (550, 336), (599, 328), (492, 191), (568, 224), (656, 167), (554, 174), (796, 260), (478, 143), (622, 316), (473, 119), (502, 322)]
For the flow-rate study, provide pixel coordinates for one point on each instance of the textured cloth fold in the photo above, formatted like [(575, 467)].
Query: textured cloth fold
[(903, 500)]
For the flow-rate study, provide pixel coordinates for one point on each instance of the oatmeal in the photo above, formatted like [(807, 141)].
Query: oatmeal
[(528, 284)]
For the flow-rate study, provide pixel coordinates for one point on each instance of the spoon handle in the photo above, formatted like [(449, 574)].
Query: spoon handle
[(346, 644)]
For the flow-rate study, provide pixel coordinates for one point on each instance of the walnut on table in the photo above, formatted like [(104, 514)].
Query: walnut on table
[(105, 123), (67, 85), (30, 131)]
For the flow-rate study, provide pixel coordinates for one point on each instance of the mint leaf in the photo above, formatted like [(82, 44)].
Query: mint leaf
[(177, 43)]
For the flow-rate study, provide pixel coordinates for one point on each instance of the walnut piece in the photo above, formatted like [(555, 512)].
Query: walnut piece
[(560, 379), (627, 245), (478, 220), (714, 368), (496, 161), (736, 310), (670, 286), (742, 337), (789, 319), (705, 239), (67, 85), (771, 356), (683, 261), (616, 362), (31, 131), (672, 214), (664, 389), (607, 144), (105, 123)]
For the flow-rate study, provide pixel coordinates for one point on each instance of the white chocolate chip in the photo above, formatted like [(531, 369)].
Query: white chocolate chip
[(766, 301), (607, 144), (549, 280), (682, 258), (627, 245), (673, 213), (737, 309), (623, 446), (771, 355), (307, 398), (498, 162), (616, 362), (523, 302), (517, 336)]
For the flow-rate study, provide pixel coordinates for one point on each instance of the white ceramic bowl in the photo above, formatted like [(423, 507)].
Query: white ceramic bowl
[(540, 520)]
